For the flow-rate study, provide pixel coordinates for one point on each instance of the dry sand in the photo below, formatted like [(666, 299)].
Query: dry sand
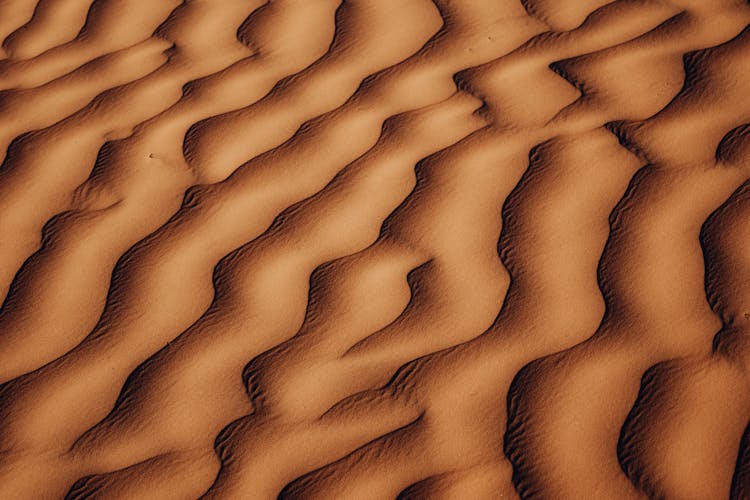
[(367, 249)]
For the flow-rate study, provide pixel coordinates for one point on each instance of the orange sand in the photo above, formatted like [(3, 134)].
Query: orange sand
[(368, 249)]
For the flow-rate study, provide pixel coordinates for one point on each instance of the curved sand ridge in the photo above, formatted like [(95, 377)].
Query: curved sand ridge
[(374, 249)]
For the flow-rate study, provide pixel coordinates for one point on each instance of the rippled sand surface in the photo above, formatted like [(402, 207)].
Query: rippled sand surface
[(375, 249)]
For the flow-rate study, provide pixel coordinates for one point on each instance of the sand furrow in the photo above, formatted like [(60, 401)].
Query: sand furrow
[(692, 410), (52, 24), (485, 377), (121, 176), (131, 327), (374, 249), (13, 15), (102, 33), (643, 304)]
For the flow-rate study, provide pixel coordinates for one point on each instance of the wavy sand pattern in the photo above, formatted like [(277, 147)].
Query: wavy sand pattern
[(316, 249)]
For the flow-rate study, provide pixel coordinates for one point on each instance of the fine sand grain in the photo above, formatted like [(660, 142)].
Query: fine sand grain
[(375, 249)]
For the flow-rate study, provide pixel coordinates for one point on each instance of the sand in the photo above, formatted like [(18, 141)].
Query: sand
[(375, 249)]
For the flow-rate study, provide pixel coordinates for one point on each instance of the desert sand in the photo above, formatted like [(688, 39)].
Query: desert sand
[(375, 249)]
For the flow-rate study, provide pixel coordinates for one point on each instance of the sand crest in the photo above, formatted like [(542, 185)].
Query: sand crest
[(375, 249)]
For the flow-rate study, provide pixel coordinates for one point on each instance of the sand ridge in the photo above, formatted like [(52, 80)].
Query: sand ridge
[(374, 249)]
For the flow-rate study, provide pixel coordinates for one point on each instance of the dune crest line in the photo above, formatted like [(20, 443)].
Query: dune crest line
[(314, 249)]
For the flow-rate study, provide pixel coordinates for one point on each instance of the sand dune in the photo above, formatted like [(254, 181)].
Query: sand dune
[(374, 249)]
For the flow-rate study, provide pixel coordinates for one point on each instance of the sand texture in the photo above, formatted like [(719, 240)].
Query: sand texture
[(375, 249)]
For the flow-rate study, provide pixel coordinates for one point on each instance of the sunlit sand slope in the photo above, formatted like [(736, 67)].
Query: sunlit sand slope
[(373, 249)]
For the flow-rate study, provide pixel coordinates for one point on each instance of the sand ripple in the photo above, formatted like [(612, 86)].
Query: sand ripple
[(374, 249)]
